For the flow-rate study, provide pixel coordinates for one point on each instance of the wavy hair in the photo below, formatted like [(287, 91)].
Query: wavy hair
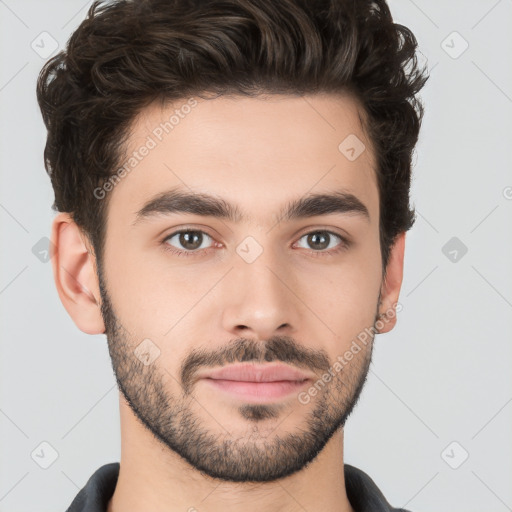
[(127, 54)]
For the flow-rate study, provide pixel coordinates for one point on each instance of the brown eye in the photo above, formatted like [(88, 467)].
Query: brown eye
[(318, 240), (187, 240), (324, 242)]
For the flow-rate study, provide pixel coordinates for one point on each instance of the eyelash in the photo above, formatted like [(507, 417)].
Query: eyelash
[(345, 244)]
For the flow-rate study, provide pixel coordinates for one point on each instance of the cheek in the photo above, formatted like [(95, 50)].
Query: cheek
[(155, 298), (345, 296), (132, 283)]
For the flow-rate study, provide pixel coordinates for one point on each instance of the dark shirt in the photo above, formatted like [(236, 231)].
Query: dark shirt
[(363, 494)]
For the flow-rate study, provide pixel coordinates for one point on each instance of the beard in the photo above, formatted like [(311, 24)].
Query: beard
[(173, 420)]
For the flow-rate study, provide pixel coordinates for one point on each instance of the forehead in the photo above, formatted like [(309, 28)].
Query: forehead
[(255, 152)]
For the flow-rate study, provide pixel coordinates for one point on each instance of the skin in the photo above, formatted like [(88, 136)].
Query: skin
[(185, 444)]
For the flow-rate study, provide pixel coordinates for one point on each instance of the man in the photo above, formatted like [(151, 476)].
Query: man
[(233, 185)]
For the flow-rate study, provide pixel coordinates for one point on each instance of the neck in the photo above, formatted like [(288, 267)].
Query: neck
[(153, 477)]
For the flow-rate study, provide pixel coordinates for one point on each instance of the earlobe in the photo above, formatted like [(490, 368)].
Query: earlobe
[(390, 289), (74, 272)]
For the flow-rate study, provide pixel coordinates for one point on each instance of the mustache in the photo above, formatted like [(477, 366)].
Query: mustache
[(278, 348)]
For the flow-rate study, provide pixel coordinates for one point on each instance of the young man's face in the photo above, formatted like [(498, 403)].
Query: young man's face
[(264, 289)]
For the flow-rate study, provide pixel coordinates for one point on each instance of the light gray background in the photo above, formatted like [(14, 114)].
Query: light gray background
[(441, 376)]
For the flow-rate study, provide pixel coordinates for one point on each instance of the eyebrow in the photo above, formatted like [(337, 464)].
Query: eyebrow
[(178, 200)]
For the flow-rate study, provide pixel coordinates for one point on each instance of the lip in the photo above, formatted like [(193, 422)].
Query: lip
[(257, 383), (257, 373)]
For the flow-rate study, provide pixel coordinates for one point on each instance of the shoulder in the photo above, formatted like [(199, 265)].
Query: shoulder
[(364, 494)]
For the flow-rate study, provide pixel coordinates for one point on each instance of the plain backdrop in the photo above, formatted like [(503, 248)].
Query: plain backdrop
[(433, 426)]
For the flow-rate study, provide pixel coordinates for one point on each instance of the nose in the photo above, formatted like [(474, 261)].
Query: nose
[(260, 299)]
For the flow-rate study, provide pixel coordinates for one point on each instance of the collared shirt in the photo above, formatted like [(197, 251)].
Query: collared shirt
[(362, 492)]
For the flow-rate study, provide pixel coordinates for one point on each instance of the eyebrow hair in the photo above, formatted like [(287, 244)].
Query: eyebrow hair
[(178, 200)]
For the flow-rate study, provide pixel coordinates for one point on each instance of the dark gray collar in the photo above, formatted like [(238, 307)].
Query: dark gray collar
[(362, 492)]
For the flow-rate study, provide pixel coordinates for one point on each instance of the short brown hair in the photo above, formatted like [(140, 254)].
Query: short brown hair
[(128, 54)]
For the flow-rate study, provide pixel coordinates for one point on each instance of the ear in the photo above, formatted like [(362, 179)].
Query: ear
[(74, 272), (390, 289)]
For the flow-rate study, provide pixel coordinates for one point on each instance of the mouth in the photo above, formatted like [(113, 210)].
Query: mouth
[(258, 391), (257, 383)]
